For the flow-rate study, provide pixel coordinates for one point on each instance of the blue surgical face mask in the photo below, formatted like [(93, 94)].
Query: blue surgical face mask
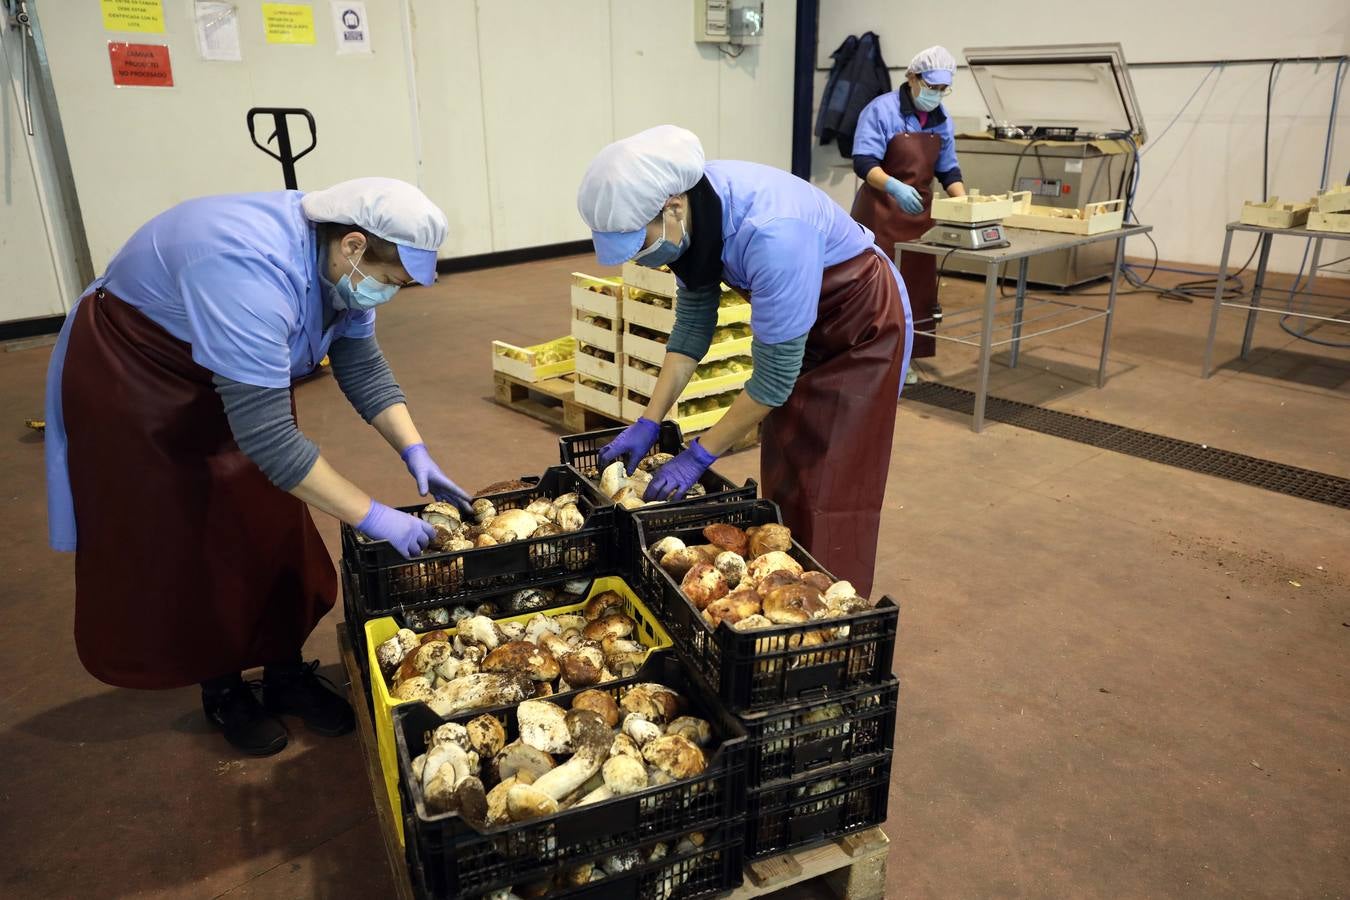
[(663, 252), (366, 294), (928, 99)]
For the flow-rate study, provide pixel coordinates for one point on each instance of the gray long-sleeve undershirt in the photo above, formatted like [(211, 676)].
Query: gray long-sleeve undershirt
[(776, 365), (264, 427)]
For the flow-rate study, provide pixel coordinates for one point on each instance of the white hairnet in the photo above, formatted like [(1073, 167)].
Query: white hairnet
[(629, 181), (390, 209), (935, 59)]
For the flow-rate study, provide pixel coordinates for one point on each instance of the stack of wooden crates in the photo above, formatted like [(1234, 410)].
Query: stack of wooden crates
[(597, 325), (648, 319)]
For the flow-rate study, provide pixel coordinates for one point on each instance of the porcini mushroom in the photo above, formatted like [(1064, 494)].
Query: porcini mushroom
[(591, 740), (653, 702), (518, 757), (486, 735), (543, 726), (675, 757), (599, 702), (523, 658)]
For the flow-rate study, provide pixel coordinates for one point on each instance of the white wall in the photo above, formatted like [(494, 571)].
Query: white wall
[(493, 108), (1195, 178)]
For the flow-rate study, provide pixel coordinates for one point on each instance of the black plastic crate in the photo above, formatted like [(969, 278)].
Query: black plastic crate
[(581, 452), (766, 667), (806, 812), (385, 583), (804, 737), (711, 870), (459, 860)]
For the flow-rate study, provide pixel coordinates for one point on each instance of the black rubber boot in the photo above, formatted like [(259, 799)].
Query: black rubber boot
[(230, 705), (295, 689)]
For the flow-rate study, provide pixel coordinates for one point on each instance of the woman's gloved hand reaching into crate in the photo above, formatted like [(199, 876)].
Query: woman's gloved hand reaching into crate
[(631, 445), (673, 480)]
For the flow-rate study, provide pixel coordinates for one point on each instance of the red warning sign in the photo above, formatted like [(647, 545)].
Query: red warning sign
[(143, 65)]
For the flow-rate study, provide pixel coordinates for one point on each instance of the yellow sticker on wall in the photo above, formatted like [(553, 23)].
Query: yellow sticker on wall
[(134, 15), (288, 23)]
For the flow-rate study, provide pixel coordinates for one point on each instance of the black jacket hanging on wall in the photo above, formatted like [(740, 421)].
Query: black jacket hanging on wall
[(857, 75)]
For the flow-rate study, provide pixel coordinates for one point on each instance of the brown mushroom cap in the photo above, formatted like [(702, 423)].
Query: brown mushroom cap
[(487, 736), (732, 608), (703, 584), (524, 658), (440, 634), (768, 538), (793, 603), (610, 625), (774, 561), (653, 702), (603, 604), (727, 537), (698, 731), (818, 580), (676, 756), (583, 666), (518, 757), (678, 562), (599, 702)]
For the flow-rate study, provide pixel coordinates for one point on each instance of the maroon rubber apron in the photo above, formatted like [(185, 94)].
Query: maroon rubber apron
[(190, 564), (825, 454), (910, 157)]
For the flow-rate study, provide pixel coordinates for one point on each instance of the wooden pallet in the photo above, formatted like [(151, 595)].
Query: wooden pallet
[(552, 403), (851, 868)]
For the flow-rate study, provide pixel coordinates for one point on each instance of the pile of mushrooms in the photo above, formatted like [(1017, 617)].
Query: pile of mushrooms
[(627, 490), (512, 604), (543, 517), (592, 751), (486, 663), (749, 580)]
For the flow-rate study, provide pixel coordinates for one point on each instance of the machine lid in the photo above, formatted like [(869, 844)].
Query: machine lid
[(1064, 86)]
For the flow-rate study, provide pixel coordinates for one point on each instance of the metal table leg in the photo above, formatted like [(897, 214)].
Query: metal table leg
[(1110, 311), (1205, 368), (1017, 310), (1256, 292), (1308, 286), (986, 342)]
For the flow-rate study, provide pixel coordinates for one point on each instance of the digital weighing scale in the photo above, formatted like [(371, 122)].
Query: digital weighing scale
[(966, 235)]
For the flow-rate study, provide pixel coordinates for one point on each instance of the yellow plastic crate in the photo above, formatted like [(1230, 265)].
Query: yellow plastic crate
[(523, 362), (649, 632)]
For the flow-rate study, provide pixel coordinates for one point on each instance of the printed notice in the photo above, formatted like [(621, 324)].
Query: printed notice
[(140, 65), (218, 31), (288, 23), (134, 15), (349, 27)]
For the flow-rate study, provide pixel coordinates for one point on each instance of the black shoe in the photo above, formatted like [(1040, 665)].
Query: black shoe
[(296, 689), (247, 726)]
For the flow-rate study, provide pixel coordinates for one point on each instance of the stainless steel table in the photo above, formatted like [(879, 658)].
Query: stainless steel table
[(1340, 313), (1023, 244)]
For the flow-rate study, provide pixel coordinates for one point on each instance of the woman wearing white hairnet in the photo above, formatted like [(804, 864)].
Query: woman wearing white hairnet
[(173, 454), (903, 141), (829, 314)]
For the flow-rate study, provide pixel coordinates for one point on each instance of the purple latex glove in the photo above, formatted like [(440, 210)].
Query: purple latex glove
[(409, 534), (429, 477), (673, 480), (631, 445)]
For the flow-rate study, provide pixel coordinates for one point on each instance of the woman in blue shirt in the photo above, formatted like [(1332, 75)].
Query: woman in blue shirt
[(175, 470), (828, 313), (904, 140)]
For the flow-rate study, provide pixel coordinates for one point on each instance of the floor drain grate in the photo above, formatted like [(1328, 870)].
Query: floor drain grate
[(1250, 470)]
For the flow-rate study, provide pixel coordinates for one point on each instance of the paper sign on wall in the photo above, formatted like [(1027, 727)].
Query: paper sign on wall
[(349, 27), (217, 27), (134, 15), (288, 23), (141, 65)]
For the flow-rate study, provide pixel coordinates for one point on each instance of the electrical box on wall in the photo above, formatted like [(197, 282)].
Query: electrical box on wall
[(728, 22)]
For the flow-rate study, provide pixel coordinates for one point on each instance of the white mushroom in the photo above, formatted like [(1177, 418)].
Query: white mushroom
[(613, 478), (668, 544), (512, 631), (543, 726), (698, 731), (591, 740), (479, 690), (450, 733), (540, 625), (570, 518), (390, 653), (480, 630), (639, 729)]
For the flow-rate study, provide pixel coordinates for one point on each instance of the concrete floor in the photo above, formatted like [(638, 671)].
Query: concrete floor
[(1118, 679)]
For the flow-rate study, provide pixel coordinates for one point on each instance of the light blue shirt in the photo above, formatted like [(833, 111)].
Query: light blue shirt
[(883, 119), (779, 233), (235, 277)]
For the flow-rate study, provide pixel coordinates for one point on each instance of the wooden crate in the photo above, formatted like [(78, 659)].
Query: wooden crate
[(973, 207), (645, 382), (657, 281), (609, 404), (640, 309), (601, 296), (1335, 222), (504, 360), (600, 369), (597, 335), (654, 351), (1274, 214), (635, 403), (1334, 199), (851, 868), (1106, 215)]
